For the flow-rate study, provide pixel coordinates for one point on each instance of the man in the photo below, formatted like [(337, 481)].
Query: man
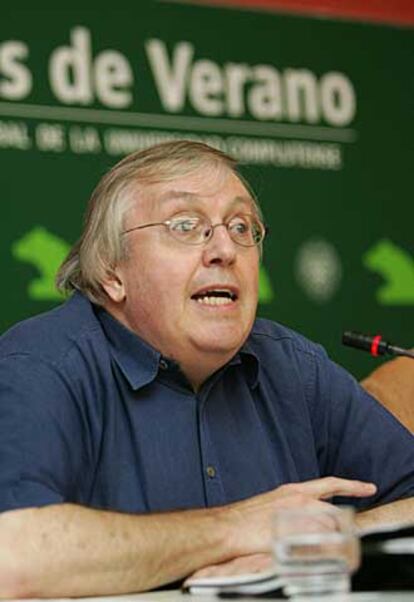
[(149, 426)]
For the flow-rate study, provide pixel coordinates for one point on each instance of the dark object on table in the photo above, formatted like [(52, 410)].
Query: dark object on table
[(387, 561)]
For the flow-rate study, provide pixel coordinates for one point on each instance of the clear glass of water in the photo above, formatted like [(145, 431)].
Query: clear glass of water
[(316, 551)]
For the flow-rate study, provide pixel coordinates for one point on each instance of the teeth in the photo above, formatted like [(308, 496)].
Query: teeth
[(214, 300)]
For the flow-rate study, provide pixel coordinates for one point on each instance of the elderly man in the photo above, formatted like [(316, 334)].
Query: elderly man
[(150, 426)]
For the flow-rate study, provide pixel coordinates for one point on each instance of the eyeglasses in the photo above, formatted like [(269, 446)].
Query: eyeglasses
[(244, 229)]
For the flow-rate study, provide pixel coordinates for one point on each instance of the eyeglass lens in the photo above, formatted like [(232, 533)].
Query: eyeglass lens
[(245, 230)]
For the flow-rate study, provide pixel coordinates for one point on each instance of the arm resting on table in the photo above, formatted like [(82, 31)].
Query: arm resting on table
[(68, 550)]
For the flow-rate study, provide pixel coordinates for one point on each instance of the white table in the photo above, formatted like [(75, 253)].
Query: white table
[(177, 596)]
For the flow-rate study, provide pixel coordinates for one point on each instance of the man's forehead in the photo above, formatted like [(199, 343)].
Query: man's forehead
[(191, 192), (171, 196)]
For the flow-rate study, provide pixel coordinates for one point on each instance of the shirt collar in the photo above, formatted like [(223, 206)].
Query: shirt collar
[(248, 358), (140, 363)]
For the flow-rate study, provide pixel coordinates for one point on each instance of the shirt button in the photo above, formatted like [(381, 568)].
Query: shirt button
[(211, 472), (163, 364)]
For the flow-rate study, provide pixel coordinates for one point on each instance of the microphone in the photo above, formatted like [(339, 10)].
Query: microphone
[(375, 345)]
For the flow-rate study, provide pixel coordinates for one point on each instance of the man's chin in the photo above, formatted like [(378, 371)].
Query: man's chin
[(221, 343)]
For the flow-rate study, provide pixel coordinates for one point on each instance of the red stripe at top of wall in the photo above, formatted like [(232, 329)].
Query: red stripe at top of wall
[(400, 12)]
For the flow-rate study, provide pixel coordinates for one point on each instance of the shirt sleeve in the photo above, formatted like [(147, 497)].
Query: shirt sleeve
[(359, 438), (42, 434)]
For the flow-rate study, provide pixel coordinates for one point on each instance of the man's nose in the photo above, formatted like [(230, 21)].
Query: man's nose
[(220, 249)]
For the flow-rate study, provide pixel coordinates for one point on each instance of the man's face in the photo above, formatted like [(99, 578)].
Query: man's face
[(192, 303)]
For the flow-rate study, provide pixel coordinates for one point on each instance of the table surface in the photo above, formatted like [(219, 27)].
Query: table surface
[(177, 596)]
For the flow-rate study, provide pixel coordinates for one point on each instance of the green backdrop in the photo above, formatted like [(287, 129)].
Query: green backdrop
[(319, 112)]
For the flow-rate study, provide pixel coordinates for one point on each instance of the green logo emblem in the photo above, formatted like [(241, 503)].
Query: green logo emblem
[(396, 266), (266, 294), (45, 252)]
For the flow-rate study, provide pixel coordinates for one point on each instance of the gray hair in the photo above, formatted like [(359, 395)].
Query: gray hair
[(101, 246)]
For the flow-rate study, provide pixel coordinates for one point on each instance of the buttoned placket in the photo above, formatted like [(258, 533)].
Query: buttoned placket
[(213, 485)]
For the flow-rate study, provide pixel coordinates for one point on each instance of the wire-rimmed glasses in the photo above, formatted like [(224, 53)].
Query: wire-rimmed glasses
[(244, 229)]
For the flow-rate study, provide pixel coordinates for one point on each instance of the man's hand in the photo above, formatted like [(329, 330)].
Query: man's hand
[(251, 518), (254, 516)]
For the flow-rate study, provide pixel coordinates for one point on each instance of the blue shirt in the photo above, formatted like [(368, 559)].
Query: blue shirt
[(90, 414)]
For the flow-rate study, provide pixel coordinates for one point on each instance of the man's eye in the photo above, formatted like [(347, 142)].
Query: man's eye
[(239, 226), (183, 225)]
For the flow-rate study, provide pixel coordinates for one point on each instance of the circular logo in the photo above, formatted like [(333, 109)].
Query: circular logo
[(318, 269)]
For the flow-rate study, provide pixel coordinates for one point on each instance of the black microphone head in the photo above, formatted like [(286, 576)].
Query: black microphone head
[(357, 339), (373, 344)]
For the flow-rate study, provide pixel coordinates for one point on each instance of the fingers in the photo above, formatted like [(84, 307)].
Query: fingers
[(306, 493), (328, 487), (302, 501)]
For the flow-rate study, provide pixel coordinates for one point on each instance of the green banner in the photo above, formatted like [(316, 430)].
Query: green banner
[(319, 113)]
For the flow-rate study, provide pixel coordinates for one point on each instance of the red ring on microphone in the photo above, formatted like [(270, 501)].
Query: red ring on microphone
[(375, 344)]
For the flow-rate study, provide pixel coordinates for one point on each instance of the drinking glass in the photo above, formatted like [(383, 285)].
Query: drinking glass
[(315, 551)]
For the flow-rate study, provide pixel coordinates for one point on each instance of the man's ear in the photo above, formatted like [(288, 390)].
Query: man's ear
[(113, 285)]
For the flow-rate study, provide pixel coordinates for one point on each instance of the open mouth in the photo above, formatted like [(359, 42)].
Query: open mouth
[(215, 296)]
